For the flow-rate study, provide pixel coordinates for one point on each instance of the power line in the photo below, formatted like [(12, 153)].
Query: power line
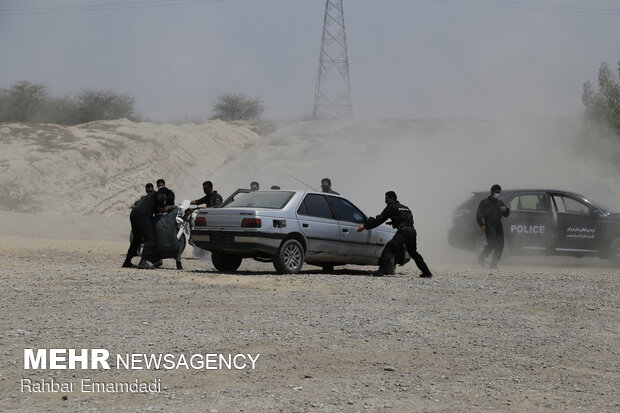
[(102, 7), (528, 5)]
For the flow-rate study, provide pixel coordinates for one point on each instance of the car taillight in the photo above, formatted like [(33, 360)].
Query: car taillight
[(251, 223), (461, 212), (201, 222)]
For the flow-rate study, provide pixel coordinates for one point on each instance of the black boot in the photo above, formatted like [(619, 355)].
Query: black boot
[(158, 264), (128, 264), (143, 265), (179, 266)]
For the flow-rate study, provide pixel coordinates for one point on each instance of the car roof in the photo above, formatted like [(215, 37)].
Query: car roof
[(512, 191)]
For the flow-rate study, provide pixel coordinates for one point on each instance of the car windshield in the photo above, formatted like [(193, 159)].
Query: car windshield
[(602, 208), (263, 199)]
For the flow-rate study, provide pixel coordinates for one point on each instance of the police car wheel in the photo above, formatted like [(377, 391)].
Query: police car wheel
[(225, 262), (614, 252), (289, 258)]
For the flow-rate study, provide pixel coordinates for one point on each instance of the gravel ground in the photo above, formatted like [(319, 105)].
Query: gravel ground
[(539, 337)]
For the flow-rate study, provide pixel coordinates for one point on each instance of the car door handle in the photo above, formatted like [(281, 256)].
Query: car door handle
[(345, 230), (305, 225)]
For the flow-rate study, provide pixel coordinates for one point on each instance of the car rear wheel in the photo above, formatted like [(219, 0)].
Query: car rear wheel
[(289, 258), (225, 262), (614, 252)]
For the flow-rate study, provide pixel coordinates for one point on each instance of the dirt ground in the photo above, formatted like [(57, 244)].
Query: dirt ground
[(539, 337)]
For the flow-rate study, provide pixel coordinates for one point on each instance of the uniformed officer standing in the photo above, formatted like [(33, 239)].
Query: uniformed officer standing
[(489, 217), (401, 219)]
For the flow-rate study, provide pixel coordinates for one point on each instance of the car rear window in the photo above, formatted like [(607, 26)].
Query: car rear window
[(263, 199)]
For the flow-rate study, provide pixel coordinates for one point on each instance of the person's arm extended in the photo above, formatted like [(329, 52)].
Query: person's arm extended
[(200, 201), (376, 221)]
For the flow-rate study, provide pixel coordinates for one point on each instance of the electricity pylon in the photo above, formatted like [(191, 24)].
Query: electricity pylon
[(332, 97)]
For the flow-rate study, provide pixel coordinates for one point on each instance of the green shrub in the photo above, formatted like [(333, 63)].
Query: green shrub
[(237, 107)]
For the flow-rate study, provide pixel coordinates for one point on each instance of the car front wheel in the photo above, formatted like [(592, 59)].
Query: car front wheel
[(225, 262), (289, 258), (614, 252)]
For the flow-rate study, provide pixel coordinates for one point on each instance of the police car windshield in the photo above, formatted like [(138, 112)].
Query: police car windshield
[(602, 208), (263, 199)]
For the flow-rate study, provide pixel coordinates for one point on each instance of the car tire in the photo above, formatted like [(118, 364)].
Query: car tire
[(183, 241), (225, 262), (613, 254), (289, 258)]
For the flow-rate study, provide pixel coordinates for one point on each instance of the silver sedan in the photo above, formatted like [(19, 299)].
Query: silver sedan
[(289, 228)]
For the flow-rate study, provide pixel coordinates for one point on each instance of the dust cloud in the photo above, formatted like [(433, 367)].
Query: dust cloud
[(433, 165)]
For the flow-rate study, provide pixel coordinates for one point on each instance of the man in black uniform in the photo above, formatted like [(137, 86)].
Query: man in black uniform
[(326, 186), (402, 219), (489, 217), (142, 228), (211, 199), (148, 188)]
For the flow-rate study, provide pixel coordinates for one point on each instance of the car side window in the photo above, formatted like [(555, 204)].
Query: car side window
[(315, 206), (346, 211), (528, 202), (570, 205)]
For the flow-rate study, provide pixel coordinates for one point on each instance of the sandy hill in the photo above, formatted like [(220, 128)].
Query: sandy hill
[(101, 167)]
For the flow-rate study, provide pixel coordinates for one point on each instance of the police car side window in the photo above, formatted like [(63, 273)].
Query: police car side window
[(316, 206), (571, 205), (346, 211), (527, 202)]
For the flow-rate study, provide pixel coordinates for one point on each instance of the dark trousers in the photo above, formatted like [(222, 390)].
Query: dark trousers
[(142, 229), (394, 249), (495, 244)]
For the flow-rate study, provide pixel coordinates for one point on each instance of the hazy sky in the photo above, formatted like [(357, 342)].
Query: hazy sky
[(408, 58)]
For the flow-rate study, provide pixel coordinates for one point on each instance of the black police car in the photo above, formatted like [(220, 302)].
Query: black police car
[(549, 221)]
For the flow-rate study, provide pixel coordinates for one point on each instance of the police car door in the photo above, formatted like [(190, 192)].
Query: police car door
[(529, 220), (319, 226), (577, 224), (353, 244)]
